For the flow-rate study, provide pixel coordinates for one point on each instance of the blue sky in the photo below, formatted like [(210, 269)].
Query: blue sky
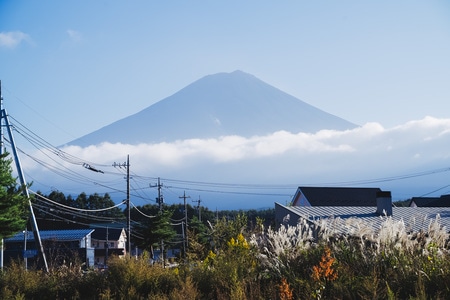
[(71, 67)]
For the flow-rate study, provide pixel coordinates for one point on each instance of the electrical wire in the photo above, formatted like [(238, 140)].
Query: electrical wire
[(436, 190), (57, 212), (229, 192), (74, 208), (64, 210), (36, 140), (145, 215), (35, 111), (391, 178), (199, 186)]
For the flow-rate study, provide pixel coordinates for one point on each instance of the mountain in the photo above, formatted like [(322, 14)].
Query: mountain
[(234, 103)]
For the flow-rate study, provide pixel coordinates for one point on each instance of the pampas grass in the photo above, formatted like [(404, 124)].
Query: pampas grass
[(321, 259)]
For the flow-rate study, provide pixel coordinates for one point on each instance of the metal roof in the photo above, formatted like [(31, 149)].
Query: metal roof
[(59, 235), (414, 218)]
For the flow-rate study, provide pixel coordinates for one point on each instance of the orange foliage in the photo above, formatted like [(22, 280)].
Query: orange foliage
[(324, 271), (285, 291)]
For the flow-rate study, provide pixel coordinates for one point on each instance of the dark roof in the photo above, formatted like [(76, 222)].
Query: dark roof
[(60, 235), (443, 201), (337, 196), (112, 233)]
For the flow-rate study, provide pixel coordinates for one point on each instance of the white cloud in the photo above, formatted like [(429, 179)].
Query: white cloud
[(367, 152), (371, 142), (371, 138), (13, 38), (75, 35)]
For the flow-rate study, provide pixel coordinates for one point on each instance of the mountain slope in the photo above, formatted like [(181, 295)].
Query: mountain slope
[(234, 103)]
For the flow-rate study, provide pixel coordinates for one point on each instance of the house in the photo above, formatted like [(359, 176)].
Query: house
[(443, 201), (107, 242), (414, 218), (59, 245), (335, 196), (93, 246)]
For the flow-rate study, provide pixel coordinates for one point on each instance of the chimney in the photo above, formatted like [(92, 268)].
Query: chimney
[(384, 203)]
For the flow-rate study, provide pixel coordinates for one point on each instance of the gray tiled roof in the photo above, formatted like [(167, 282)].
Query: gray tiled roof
[(60, 235), (415, 218)]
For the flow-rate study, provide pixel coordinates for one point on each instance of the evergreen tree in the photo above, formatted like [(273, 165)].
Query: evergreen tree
[(152, 230), (199, 240), (13, 202)]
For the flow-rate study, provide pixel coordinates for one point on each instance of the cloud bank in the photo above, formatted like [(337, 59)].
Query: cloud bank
[(416, 141), (321, 158)]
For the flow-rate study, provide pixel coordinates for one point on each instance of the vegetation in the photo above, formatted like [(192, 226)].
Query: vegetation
[(236, 255), (52, 211), (154, 228), (13, 203), (231, 260)]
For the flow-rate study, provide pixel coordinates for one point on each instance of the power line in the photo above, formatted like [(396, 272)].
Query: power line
[(37, 113), (201, 186), (74, 208), (145, 215)]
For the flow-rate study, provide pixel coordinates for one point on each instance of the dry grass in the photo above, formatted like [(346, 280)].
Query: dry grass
[(301, 262)]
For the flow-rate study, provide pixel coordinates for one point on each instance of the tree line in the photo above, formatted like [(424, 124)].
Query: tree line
[(150, 223)]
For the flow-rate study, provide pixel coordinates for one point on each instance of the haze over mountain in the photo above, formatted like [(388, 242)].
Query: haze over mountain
[(217, 105)]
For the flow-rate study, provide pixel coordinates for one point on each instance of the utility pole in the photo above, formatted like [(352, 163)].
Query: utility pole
[(107, 246), (160, 201), (185, 223), (198, 207), (25, 259), (1, 152), (37, 237), (127, 166)]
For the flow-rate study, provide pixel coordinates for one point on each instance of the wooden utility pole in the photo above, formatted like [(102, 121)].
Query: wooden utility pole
[(127, 166)]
